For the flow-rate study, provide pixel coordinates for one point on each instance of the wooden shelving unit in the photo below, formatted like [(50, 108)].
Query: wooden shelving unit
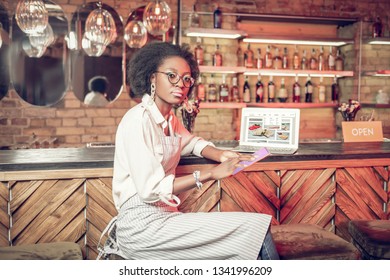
[(233, 105)]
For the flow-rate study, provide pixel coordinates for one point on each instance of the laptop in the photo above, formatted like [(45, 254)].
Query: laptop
[(276, 129)]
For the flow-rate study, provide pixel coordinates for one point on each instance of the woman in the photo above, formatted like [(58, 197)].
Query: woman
[(149, 143)]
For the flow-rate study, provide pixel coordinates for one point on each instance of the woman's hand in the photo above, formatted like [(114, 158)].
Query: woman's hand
[(224, 169), (230, 154)]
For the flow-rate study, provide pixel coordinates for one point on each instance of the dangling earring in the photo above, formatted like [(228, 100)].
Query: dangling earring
[(152, 93)]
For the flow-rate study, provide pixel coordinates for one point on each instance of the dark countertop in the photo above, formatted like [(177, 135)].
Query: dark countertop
[(102, 157)]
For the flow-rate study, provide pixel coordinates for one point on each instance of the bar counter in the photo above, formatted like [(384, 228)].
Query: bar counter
[(64, 194)]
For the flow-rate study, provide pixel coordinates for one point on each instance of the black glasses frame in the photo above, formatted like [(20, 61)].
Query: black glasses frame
[(176, 78)]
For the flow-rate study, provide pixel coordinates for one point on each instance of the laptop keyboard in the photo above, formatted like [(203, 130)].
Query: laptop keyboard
[(273, 150)]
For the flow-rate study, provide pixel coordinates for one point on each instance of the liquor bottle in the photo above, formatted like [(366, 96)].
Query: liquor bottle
[(331, 59), (335, 91), (285, 59), (240, 57), (223, 90), (217, 57), (321, 60), (268, 58), (277, 59), (271, 90), (234, 91), (313, 60), (321, 91), (282, 94), (259, 60), (248, 57), (308, 90), (339, 62), (246, 91), (296, 91), (377, 28), (259, 90), (212, 93), (199, 51), (193, 18), (217, 17), (295, 59), (200, 93), (304, 60)]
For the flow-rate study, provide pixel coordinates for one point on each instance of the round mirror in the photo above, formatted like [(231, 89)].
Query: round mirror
[(38, 67), (4, 49), (96, 67)]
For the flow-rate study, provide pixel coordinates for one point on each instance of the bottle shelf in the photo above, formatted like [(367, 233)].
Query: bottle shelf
[(378, 73), (273, 72), (214, 33), (375, 105), (378, 41), (233, 105)]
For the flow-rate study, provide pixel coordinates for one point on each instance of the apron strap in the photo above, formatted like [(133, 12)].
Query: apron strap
[(107, 230)]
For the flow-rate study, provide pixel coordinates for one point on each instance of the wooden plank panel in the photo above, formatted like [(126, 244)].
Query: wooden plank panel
[(246, 195), (97, 215), (341, 224), (367, 178), (74, 231), (209, 200), (228, 204), (101, 193), (192, 200), (266, 186), (312, 194), (92, 242), (64, 214), (366, 200), (39, 206)]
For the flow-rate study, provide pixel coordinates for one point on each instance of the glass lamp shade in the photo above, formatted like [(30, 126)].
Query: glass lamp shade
[(157, 17), (136, 34), (32, 51), (92, 48), (31, 16), (42, 39), (100, 27)]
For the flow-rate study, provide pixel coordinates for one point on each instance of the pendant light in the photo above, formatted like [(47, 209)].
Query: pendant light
[(100, 26), (92, 48), (31, 16), (42, 39), (157, 17), (32, 51), (136, 34)]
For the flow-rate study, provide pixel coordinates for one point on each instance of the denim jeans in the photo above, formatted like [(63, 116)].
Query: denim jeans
[(268, 250)]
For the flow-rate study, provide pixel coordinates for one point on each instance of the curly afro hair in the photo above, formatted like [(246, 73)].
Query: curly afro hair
[(145, 62)]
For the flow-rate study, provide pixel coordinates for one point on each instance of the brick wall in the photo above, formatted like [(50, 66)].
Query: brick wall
[(74, 124)]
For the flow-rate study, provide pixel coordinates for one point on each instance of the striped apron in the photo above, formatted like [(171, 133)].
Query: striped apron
[(159, 231)]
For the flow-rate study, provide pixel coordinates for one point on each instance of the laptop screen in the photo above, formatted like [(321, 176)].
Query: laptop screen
[(270, 127)]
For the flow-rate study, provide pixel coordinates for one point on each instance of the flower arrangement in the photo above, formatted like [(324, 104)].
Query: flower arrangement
[(190, 110), (349, 110)]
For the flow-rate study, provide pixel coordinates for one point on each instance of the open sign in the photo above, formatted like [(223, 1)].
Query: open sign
[(362, 131)]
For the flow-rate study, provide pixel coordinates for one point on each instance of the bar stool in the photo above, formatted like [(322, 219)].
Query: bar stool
[(372, 238), (311, 242), (42, 251)]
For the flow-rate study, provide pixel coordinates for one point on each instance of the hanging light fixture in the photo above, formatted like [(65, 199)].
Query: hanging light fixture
[(42, 39), (100, 26), (31, 16), (92, 48), (136, 34), (157, 17), (32, 51)]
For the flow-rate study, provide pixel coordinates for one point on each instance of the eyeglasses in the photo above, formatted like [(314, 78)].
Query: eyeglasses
[(174, 78)]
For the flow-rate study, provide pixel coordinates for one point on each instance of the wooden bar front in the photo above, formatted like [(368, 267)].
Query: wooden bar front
[(65, 194)]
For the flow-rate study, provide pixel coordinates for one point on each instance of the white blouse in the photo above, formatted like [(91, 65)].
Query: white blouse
[(138, 154)]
